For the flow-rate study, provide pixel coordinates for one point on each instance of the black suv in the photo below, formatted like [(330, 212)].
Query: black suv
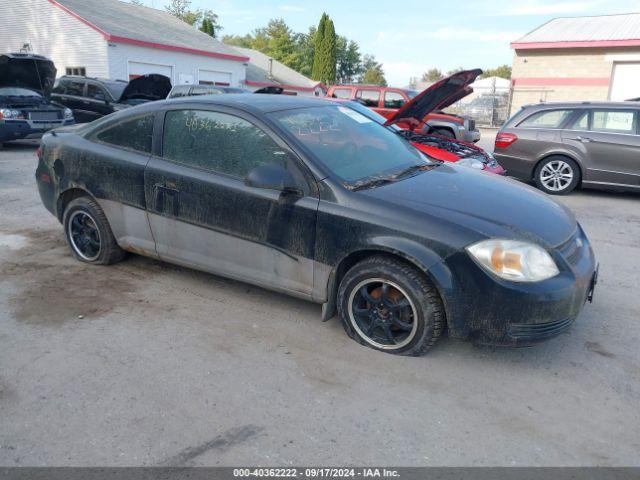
[(93, 98), (25, 108)]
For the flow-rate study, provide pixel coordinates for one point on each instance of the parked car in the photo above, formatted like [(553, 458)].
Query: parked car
[(93, 98), (389, 101), (436, 146), (562, 146), (313, 199), (26, 110), (195, 90)]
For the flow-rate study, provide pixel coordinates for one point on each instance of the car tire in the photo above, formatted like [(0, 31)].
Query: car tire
[(444, 132), (406, 317), (88, 233), (557, 175)]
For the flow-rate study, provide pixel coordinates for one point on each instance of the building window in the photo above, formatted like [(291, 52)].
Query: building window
[(79, 71)]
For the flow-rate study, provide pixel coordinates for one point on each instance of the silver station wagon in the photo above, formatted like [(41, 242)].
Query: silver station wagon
[(561, 146)]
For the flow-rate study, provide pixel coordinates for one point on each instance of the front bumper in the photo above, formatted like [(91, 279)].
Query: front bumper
[(493, 311), (19, 129), (471, 136)]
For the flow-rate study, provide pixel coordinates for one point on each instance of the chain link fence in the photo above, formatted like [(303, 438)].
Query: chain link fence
[(489, 103)]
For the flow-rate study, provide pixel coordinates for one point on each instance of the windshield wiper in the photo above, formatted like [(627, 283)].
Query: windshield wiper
[(378, 181)]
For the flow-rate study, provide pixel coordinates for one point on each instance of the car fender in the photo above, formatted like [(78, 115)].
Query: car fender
[(422, 257), (434, 123)]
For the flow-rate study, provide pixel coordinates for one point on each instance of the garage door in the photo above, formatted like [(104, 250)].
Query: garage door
[(137, 69), (626, 81), (211, 77)]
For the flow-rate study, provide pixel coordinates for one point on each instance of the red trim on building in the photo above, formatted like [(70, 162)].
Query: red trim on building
[(560, 81), (141, 43), (576, 44), (288, 87)]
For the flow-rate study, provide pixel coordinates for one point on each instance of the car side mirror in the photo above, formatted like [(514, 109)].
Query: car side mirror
[(272, 177)]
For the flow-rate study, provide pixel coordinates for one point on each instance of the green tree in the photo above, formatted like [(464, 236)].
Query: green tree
[(431, 75), (349, 61), (181, 10), (503, 71), (373, 71), (245, 41), (329, 60), (455, 70), (318, 52)]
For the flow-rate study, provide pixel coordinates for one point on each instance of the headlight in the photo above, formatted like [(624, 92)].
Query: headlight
[(68, 113), (8, 113), (470, 162), (514, 260)]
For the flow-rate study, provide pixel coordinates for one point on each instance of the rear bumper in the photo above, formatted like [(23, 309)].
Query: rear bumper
[(19, 129), (517, 167)]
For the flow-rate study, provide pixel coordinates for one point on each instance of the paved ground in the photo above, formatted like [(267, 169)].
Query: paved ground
[(144, 363)]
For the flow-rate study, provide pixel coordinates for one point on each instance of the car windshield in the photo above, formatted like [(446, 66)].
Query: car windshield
[(367, 112), (116, 89), (352, 146), (411, 93), (18, 92)]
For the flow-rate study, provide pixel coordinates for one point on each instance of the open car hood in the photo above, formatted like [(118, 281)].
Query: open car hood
[(27, 71), (438, 96), (152, 86)]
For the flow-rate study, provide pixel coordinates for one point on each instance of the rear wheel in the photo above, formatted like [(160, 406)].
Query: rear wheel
[(89, 234), (390, 306), (557, 175)]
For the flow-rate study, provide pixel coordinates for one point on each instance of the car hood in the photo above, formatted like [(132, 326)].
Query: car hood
[(152, 86), (438, 96), (488, 204), (37, 74)]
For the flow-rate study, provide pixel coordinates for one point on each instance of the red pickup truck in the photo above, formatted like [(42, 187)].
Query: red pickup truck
[(387, 101)]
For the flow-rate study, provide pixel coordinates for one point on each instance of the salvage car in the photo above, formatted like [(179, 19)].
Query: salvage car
[(564, 146), (93, 98), (26, 110), (310, 198), (389, 102), (436, 146)]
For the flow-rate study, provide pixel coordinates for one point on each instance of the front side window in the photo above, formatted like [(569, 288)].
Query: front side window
[(60, 87), (369, 98), (582, 123), (614, 121), (546, 119), (349, 144), (95, 92), (344, 93), (135, 134), (75, 88), (218, 142), (393, 100)]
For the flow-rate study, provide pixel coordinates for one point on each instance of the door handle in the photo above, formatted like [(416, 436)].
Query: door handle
[(583, 139), (166, 187)]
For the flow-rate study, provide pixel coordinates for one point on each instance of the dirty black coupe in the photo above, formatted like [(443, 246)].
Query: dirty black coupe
[(311, 198)]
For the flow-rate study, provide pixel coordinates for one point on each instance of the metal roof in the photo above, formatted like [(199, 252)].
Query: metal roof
[(126, 23), (281, 75), (598, 31)]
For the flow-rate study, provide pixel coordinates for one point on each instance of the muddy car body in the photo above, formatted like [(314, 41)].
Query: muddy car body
[(26, 110), (307, 197)]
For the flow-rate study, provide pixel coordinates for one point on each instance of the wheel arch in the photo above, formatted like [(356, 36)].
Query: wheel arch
[(68, 196), (425, 260), (559, 154)]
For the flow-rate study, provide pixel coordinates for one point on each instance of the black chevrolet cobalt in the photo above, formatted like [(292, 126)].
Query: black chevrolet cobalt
[(313, 199)]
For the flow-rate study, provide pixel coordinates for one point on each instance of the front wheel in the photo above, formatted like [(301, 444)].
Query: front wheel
[(557, 175), (389, 305)]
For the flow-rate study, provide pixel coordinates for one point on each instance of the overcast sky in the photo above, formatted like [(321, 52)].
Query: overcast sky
[(410, 36)]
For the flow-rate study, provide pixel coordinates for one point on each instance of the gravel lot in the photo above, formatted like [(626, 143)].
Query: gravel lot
[(144, 363)]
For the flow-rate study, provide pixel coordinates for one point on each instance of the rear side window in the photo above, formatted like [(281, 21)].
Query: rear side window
[(546, 119), (135, 134), (75, 88), (218, 142), (614, 121), (180, 92), (344, 93), (369, 98), (205, 90), (95, 92), (393, 100), (581, 123)]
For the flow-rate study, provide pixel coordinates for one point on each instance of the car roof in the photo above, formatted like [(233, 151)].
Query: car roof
[(555, 105), (257, 103)]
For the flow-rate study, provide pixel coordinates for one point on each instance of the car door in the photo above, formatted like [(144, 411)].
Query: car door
[(96, 102), (203, 215), (75, 100), (392, 101), (612, 146)]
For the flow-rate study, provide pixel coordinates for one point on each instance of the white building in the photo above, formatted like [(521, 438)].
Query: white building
[(117, 40), (264, 71)]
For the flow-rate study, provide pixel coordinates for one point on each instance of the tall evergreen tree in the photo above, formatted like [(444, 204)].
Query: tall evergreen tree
[(329, 59), (318, 57)]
